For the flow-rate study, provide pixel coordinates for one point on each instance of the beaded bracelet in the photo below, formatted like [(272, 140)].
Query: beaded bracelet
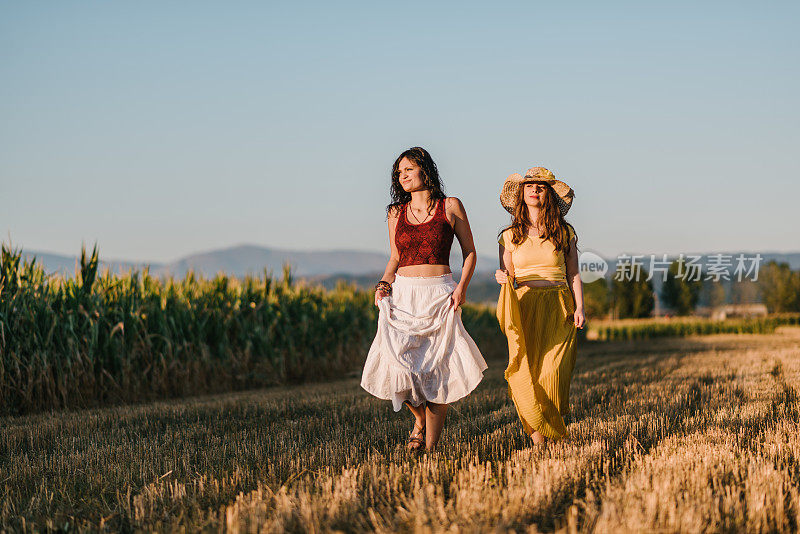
[(384, 286)]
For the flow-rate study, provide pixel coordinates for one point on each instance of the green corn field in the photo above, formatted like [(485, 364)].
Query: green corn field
[(96, 338)]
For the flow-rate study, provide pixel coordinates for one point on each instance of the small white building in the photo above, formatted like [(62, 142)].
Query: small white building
[(720, 313)]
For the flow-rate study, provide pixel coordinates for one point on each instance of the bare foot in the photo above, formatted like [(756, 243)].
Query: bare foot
[(538, 438)]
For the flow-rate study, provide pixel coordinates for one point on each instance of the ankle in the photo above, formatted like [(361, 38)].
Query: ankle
[(538, 438)]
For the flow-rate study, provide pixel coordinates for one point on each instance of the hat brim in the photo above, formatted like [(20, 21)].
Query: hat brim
[(509, 191)]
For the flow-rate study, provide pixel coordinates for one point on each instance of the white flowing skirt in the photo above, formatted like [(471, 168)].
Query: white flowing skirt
[(421, 351)]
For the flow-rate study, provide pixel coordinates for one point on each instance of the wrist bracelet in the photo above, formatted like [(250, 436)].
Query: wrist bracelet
[(384, 286)]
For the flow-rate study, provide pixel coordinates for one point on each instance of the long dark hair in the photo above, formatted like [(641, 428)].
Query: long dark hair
[(550, 219), (430, 177)]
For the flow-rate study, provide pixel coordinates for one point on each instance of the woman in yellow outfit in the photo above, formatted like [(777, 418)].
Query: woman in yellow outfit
[(541, 301)]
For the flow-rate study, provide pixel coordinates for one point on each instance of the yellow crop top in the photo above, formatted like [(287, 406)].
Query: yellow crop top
[(536, 258)]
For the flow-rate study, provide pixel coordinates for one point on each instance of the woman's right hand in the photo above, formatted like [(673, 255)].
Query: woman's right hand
[(501, 276), (379, 295)]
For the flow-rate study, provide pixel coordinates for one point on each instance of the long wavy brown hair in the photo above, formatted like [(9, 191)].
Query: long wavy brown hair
[(550, 218), (430, 177)]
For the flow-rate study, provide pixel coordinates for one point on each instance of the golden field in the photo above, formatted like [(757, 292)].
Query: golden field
[(668, 435)]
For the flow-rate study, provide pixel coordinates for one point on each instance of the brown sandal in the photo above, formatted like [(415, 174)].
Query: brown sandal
[(416, 440)]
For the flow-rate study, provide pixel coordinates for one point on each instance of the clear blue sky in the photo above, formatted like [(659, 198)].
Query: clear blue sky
[(165, 128)]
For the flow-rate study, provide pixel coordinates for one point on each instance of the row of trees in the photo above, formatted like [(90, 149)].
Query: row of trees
[(778, 287)]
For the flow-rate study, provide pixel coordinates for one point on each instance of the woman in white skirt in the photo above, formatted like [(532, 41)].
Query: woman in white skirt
[(422, 356)]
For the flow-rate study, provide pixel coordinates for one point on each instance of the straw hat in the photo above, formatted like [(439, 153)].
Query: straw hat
[(508, 195)]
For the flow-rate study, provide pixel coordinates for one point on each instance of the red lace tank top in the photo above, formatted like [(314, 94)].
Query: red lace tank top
[(424, 244)]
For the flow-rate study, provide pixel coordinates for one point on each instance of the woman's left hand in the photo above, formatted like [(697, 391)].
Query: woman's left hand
[(580, 318), (457, 298)]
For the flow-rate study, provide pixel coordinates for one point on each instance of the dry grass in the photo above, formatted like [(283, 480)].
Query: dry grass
[(674, 435)]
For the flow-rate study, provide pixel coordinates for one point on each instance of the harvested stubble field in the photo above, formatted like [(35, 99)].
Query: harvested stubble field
[(670, 435)]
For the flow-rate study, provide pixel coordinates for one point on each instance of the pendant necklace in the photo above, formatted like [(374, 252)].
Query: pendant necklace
[(413, 215)]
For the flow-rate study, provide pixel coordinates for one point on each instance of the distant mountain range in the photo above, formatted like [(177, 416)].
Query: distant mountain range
[(252, 259)]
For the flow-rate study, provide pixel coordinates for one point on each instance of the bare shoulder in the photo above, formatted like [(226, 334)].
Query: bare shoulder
[(392, 217), (393, 214), (454, 205)]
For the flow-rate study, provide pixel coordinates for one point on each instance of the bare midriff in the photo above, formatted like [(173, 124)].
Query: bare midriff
[(424, 270), (540, 283)]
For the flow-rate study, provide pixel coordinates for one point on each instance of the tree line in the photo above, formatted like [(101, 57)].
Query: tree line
[(777, 287)]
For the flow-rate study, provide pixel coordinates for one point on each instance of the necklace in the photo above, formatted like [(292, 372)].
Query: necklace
[(415, 217)]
